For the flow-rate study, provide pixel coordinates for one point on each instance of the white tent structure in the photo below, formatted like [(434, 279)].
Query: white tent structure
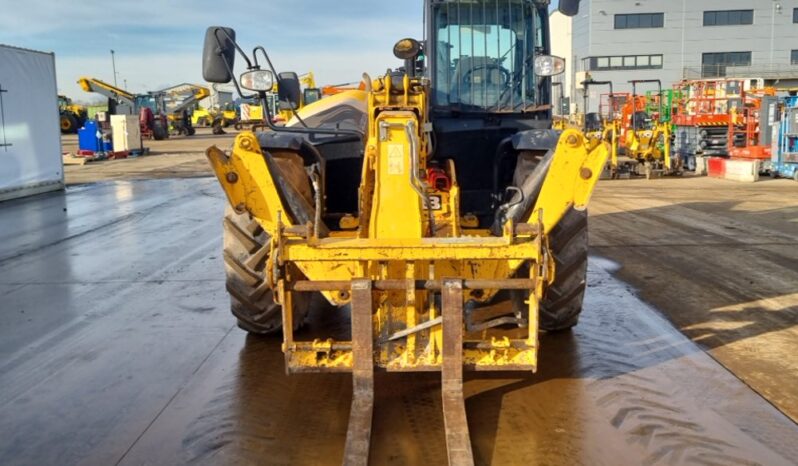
[(30, 135)]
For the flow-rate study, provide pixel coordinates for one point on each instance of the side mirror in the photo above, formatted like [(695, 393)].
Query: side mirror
[(311, 95), (569, 7), (218, 55), (289, 90)]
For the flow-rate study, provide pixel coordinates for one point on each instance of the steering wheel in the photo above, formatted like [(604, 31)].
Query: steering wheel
[(488, 68)]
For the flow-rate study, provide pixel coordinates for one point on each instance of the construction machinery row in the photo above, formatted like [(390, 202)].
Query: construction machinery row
[(160, 113), (636, 127), (666, 131), (175, 110), (249, 113)]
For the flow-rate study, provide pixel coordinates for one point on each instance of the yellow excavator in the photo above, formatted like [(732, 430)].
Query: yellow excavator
[(647, 138), (438, 205)]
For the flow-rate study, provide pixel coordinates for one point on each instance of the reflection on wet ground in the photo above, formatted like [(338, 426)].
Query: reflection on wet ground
[(125, 353), (621, 389)]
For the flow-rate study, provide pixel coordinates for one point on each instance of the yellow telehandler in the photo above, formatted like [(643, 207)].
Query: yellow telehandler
[(437, 204)]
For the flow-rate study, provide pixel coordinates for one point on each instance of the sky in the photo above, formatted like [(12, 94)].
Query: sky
[(158, 44)]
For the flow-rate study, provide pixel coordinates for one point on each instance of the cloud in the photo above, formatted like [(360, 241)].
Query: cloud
[(159, 43), (156, 71)]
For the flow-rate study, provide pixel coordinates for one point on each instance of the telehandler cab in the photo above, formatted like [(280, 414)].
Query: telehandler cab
[(437, 204)]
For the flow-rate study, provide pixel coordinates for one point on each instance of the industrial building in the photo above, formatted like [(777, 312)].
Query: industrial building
[(621, 40)]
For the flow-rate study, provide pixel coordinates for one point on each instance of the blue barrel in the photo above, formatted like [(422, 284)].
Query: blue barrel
[(88, 137)]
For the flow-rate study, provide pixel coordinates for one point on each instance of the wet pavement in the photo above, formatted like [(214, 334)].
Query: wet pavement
[(116, 347)]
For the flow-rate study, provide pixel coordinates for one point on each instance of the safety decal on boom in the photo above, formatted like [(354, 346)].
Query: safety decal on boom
[(396, 159)]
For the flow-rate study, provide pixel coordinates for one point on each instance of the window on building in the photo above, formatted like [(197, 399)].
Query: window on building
[(626, 62), (640, 20), (794, 57), (714, 64), (795, 15), (728, 17)]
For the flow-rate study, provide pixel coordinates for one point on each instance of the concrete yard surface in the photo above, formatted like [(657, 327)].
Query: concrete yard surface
[(720, 260), (176, 157), (117, 346)]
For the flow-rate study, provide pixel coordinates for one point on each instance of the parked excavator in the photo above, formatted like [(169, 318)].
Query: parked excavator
[(646, 137), (438, 205)]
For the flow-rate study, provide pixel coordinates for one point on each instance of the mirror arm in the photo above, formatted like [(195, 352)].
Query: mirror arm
[(235, 44), (268, 60), (229, 69), (235, 83), (277, 77)]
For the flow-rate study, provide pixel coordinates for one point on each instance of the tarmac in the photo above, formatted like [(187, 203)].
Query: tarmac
[(117, 346)]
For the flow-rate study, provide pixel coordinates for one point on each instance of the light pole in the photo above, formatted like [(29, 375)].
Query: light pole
[(113, 63), (776, 9)]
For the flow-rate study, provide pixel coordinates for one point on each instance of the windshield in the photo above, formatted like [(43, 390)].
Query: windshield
[(147, 101), (484, 54)]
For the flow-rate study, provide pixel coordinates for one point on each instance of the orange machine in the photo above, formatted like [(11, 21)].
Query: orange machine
[(703, 115), (750, 125), (339, 88)]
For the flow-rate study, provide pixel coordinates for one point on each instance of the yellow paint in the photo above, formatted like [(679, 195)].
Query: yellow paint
[(573, 174), (391, 238)]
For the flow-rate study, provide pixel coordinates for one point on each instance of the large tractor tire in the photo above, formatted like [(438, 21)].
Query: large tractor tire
[(562, 303), (217, 126), (246, 248), (159, 131), (69, 123)]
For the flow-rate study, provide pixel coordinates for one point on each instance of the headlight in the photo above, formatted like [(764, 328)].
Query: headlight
[(547, 65), (258, 80)]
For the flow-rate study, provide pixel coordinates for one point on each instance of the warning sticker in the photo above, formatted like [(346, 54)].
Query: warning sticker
[(396, 159)]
